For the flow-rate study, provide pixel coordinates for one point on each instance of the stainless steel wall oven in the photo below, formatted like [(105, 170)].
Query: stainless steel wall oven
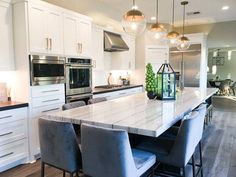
[(45, 70), (78, 78)]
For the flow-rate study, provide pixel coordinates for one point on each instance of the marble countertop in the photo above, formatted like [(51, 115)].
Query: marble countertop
[(106, 90), (7, 105), (136, 113)]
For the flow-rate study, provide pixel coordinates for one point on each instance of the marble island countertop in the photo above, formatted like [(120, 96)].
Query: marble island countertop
[(136, 113), (106, 90)]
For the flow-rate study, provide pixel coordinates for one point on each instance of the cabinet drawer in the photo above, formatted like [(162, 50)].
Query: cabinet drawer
[(48, 90), (12, 152), (12, 131), (48, 100), (45, 109), (13, 115)]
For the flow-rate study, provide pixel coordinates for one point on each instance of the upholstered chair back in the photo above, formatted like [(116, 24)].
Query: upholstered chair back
[(106, 152), (73, 105), (58, 145)]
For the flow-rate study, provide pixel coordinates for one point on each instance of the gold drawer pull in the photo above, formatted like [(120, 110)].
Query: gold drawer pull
[(5, 134), (5, 117), (5, 155), (51, 100), (50, 110)]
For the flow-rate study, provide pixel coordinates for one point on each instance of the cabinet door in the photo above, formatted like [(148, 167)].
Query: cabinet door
[(71, 46), (38, 38), (97, 49), (54, 31), (84, 37), (6, 36)]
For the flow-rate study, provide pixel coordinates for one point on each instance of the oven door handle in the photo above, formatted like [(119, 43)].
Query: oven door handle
[(79, 96), (78, 66)]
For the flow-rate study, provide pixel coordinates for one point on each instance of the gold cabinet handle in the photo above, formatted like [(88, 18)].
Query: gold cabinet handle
[(50, 42), (81, 47), (47, 43)]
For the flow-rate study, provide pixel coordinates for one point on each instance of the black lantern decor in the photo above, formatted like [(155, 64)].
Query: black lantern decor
[(166, 83)]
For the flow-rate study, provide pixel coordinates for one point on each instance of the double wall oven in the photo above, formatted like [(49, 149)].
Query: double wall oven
[(76, 73), (78, 79)]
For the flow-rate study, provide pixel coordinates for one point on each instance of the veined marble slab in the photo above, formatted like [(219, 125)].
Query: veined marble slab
[(136, 113)]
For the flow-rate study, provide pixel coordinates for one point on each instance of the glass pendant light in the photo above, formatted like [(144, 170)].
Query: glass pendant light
[(157, 29), (134, 21), (183, 42), (173, 35)]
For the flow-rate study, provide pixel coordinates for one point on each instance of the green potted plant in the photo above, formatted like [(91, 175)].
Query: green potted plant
[(151, 85)]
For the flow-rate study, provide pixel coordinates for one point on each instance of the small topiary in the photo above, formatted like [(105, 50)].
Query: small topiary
[(150, 79)]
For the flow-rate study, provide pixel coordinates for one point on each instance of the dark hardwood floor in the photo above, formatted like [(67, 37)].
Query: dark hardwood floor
[(219, 151)]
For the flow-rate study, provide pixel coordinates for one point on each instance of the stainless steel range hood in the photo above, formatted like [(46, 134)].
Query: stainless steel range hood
[(114, 43)]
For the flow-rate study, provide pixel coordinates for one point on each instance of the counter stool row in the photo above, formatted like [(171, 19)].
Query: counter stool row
[(107, 152)]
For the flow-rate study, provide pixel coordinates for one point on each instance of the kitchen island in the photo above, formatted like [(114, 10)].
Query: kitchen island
[(136, 113)]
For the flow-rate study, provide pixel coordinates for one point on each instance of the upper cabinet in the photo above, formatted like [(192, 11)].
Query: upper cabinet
[(51, 30), (45, 30), (124, 60), (77, 36), (6, 36), (98, 49)]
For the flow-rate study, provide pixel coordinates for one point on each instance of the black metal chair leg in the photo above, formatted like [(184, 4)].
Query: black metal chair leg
[(71, 174), (183, 171), (193, 165), (42, 169), (77, 174), (200, 152), (64, 174)]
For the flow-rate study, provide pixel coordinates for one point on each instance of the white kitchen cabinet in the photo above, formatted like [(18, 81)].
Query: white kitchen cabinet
[(45, 99), (125, 60), (119, 93), (13, 137), (70, 32), (6, 36), (45, 30), (84, 37), (97, 49), (157, 55), (77, 36)]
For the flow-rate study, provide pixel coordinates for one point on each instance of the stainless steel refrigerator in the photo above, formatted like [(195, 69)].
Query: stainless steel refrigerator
[(187, 64)]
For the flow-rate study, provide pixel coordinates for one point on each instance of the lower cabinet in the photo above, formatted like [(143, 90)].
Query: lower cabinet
[(120, 93), (45, 99), (13, 138)]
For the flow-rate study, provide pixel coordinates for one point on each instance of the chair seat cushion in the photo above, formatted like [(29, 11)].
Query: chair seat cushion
[(143, 160), (158, 146)]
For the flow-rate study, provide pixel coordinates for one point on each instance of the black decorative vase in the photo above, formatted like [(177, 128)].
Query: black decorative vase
[(151, 95)]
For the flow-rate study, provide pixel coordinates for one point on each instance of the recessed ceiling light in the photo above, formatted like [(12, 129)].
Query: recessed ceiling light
[(153, 18), (225, 8)]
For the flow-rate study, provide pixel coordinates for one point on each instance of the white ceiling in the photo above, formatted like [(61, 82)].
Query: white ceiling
[(210, 10)]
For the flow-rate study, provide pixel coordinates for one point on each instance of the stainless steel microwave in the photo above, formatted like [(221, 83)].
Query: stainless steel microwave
[(46, 70)]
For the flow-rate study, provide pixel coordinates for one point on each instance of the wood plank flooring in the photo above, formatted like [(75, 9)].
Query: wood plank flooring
[(219, 151)]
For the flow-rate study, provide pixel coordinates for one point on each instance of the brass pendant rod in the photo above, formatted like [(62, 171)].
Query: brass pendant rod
[(133, 3), (183, 20), (157, 12), (173, 14)]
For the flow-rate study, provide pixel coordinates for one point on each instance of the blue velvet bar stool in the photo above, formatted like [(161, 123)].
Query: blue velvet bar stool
[(73, 105), (177, 152), (59, 147), (97, 100), (107, 153)]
